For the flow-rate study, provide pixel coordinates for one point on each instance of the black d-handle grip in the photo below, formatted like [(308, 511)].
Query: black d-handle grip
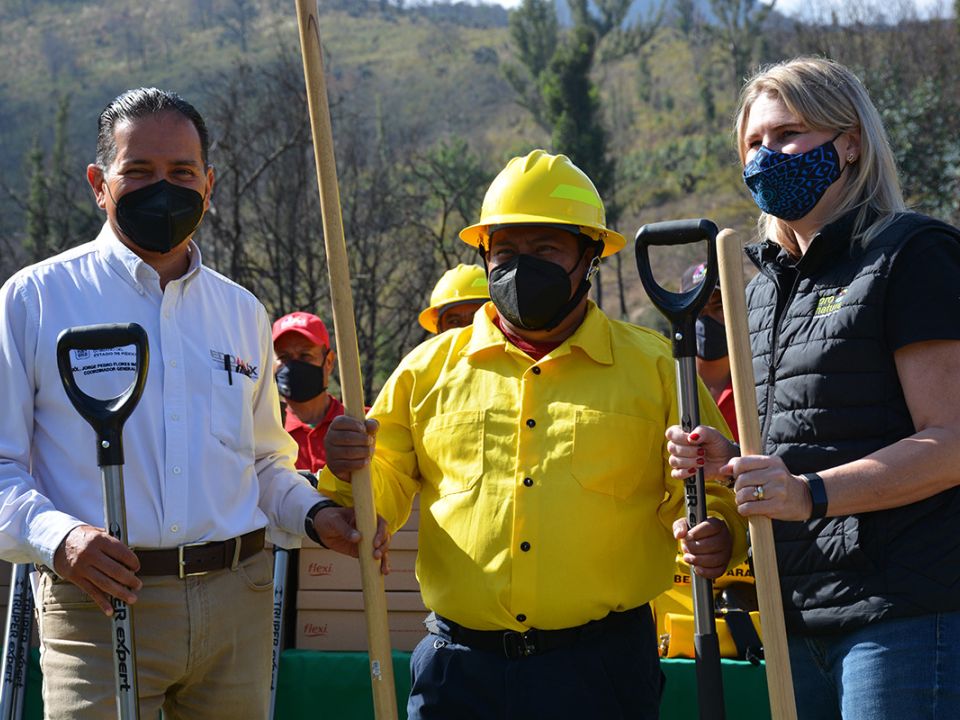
[(681, 309), (107, 416)]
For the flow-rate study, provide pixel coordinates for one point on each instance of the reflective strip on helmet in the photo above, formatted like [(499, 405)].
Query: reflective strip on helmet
[(571, 192)]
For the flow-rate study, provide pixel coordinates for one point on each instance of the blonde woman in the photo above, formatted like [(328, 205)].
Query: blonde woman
[(855, 329)]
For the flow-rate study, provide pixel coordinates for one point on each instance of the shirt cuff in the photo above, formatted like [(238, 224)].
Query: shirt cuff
[(296, 503), (333, 487), (47, 531)]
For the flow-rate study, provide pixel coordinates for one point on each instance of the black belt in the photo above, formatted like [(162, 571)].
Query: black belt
[(513, 644), (200, 558)]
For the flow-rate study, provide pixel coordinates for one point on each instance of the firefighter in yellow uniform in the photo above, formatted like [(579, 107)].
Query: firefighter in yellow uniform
[(535, 437), (457, 296)]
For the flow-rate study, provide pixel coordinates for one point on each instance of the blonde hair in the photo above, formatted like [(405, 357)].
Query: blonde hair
[(825, 95)]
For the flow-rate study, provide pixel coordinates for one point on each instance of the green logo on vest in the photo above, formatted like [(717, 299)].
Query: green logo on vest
[(829, 304)]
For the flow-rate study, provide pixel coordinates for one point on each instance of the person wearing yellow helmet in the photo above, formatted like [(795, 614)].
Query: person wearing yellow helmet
[(535, 438), (457, 296)]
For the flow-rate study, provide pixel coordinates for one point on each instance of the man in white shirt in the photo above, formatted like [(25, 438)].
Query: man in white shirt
[(208, 466)]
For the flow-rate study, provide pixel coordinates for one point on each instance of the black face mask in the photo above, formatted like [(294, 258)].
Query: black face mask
[(534, 294), (159, 217), (300, 381), (711, 339)]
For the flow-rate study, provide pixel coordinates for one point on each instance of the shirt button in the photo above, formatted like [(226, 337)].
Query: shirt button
[(521, 618), (528, 482), (536, 370), (525, 546), (174, 528), (174, 416), (531, 422), (173, 363), (176, 469)]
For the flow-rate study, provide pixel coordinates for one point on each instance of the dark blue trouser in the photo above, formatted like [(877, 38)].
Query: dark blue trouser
[(611, 672)]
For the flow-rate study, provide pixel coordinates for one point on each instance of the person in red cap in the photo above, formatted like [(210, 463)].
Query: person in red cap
[(304, 361)]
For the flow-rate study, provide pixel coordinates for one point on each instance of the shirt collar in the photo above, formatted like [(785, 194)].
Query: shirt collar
[(291, 422), (132, 267), (593, 336)]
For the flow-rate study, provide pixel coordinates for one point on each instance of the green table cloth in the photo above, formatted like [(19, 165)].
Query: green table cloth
[(315, 685), (336, 685)]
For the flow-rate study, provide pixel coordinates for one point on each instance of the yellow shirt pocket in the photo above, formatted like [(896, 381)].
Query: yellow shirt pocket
[(453, 450), (612, 452)]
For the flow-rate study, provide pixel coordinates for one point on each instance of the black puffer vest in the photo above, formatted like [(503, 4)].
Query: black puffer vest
[(828, 393)]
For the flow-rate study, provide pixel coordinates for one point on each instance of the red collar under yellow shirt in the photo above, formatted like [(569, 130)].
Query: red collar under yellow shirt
[(546, 498)]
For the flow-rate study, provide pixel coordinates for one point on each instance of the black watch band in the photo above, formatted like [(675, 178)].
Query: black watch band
[(818, 493), (308, 520)]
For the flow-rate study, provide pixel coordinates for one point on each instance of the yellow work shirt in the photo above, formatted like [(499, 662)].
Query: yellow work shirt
[(546, 497)]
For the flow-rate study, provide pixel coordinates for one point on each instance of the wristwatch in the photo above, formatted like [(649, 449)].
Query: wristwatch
[(818, 494), (311, 514)]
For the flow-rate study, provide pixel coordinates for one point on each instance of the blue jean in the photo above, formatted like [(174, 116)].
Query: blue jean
[(900, 669)]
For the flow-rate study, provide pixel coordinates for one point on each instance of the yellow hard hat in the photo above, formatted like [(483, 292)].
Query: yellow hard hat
[(464, 283), (543, 189)]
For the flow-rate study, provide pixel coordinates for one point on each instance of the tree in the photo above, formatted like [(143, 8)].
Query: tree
[(534, 31), (446, 185), (692, 26), (262, 226), (38, 222), (607, 20), (237, 19), (740, 23), (573, 108), (55, 218)]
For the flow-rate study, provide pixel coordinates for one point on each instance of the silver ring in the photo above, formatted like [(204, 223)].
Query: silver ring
[(758, 492)]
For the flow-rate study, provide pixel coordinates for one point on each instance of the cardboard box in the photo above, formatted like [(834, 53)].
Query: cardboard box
[(322, 569), (334, 620)]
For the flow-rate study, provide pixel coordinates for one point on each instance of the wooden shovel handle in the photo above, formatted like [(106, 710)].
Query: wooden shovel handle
[(351, 383), (776, 656)]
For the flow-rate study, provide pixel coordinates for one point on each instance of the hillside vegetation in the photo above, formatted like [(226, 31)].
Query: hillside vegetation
[(427, 105)]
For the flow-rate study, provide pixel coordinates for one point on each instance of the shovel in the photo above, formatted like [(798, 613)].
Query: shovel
[(682, 309), (281, 565), (107, 417), (16, 644)]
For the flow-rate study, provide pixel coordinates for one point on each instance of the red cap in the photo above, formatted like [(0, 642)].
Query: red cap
[(304, 323)]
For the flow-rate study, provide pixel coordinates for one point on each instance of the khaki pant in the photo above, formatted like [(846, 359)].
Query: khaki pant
[(203, 646)]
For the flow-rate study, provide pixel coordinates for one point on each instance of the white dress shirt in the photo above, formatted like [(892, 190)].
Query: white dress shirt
[(205, 453)]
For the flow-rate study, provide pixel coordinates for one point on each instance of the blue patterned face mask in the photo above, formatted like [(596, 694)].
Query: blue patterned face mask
[(789, 186)]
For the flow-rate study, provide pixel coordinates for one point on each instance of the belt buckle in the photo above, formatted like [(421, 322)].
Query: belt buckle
[(518, 645), (181, 562)]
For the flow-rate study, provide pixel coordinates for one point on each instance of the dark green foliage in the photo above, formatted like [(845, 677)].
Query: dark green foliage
[(923, 133), (534, 31), (38, 221), (573, 109)]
